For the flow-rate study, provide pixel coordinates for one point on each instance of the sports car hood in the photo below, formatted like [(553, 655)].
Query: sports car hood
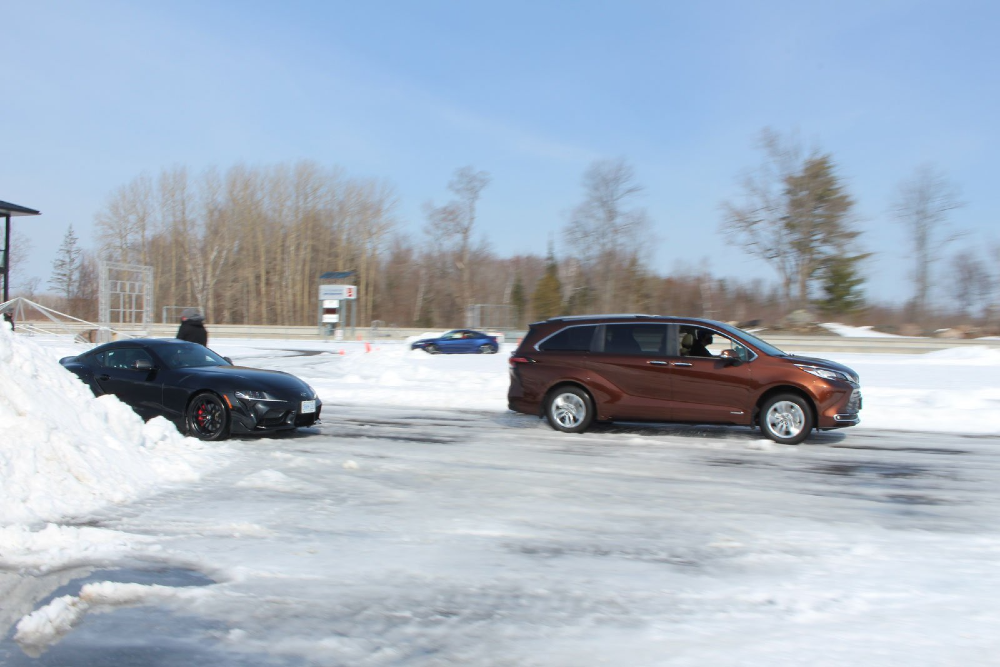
[(823, 363), (241, 377)]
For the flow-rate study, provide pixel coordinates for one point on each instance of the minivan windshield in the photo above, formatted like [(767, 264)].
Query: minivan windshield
[(763, 346)]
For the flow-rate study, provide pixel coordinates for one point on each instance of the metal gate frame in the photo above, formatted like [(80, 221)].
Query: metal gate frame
[(125, 290)]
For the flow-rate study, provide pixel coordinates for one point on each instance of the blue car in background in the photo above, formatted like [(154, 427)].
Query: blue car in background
[(458, 341)]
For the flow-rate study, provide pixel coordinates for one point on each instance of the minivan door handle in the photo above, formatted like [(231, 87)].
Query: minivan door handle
[(681, 363), (658, 363)]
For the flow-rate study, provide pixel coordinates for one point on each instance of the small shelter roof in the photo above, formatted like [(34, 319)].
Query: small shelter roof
[(6, 208)]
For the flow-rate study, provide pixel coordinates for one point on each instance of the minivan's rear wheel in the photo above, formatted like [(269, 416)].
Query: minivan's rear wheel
[(786, 419), (569, 409), (207, 417)]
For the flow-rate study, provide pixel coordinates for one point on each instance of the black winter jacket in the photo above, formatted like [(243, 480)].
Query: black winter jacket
[(193, 330)]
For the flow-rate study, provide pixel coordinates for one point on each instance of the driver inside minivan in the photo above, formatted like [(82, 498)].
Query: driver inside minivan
[(702, 339)]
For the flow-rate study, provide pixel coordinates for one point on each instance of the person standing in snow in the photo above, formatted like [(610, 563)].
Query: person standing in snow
[(193, 327)]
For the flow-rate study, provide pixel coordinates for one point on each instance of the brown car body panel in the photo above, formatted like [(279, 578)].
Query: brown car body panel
[(667, 386)]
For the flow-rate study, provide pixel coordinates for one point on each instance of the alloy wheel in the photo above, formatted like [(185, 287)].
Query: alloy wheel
[(786, 419), (569, 410), (207, 417)]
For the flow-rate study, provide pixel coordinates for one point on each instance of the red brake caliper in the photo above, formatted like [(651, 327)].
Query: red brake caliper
[(201, 415)]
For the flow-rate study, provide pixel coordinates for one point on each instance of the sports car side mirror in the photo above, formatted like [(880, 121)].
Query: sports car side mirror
[(228, 360), (142, 365)]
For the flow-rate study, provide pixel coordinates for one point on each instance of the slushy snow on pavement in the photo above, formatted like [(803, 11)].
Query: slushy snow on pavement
[(424, 524)]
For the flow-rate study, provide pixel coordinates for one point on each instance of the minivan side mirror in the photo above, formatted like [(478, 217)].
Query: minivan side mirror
[(731, 357)]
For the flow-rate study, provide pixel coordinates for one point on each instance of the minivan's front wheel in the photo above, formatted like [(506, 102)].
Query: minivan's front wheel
[(569, 409), (786, 418)]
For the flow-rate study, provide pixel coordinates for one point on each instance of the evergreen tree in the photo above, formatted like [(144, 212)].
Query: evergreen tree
[(581, 301), (841, 283), (519, 301), (547, 299), (794, 213), (818, 225), (65, 266)]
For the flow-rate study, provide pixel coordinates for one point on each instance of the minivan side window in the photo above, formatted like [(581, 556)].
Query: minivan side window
[(570, 339), (639, 339), (704, 342)]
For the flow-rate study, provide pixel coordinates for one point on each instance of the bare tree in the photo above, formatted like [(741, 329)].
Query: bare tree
[(922, 205), (123, 226), (20, 248), (83, 301), (451, 226), (607, 233), (248, 244), (757, 223), (973, 283)]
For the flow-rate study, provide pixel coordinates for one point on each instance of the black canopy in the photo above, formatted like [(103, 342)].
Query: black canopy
[(8, 211)]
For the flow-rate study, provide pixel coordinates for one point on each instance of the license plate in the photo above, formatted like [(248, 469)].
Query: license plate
[(308, 407)]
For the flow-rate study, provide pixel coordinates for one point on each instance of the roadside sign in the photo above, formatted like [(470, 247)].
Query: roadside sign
[(327, 292)]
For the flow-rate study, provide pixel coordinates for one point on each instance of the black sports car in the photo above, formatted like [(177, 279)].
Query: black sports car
[(201, 392)]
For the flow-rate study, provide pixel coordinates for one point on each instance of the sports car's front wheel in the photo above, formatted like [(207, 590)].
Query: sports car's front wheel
[(208, 417), (431, 349)]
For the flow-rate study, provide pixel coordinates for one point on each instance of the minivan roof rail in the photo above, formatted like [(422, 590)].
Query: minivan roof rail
[(564, 318)]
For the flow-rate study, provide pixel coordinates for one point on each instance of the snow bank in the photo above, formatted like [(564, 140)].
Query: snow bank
[(64, 452), (855, 332)]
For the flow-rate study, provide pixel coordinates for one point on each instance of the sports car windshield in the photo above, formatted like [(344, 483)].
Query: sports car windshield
[(190, 355)]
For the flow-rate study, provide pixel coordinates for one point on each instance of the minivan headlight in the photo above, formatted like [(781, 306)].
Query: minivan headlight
[(825, 373)]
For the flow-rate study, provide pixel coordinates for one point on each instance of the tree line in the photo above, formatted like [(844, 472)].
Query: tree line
[(247, 245)]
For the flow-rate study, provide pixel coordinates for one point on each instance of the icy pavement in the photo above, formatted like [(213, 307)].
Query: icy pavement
[(423, 524), (402, 536)]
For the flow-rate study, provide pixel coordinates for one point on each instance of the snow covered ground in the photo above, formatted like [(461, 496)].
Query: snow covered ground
[(423, 524), (848, 331)]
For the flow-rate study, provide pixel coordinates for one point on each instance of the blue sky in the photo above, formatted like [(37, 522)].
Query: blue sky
[(532, 92)]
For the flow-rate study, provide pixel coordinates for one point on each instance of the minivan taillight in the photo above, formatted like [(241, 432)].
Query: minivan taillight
[(513, 361)]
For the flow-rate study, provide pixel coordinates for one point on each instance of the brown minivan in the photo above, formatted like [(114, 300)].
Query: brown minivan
[(675, 369)]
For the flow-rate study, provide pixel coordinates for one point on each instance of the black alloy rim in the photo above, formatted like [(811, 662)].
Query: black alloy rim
[(207, 416)]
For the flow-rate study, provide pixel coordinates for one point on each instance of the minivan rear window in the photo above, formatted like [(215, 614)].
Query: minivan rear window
[(571, 339), (635, 338)]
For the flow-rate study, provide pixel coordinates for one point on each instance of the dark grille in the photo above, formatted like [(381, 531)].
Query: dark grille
[(274, 417), (307, 419)]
